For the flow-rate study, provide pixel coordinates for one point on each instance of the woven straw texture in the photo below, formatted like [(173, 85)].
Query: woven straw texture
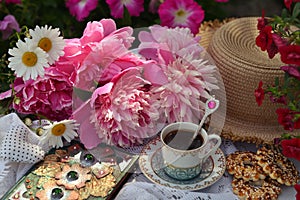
[(242, 65)]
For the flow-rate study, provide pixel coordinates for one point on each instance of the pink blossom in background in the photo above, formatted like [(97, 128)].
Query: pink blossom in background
[(162, 40), (153, 6), (124, 111), (81, 8), (8, 25), (181, 13), (13, 1), (50, 96), (221, 1), (134, 7)]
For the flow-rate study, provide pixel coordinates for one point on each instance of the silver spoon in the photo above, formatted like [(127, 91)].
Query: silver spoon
[(211, 106)]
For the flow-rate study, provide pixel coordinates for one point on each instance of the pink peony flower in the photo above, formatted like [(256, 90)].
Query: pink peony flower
[(50, 96), (135, 7), (7, 25), (164, 41), (181, 13), (81, 8), (100, 57), (124, 111), (181, 96), (119, 65), (87, 57)]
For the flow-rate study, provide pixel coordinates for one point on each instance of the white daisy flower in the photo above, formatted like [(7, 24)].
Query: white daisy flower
[(53, 133), (28, 61), (48, 39)]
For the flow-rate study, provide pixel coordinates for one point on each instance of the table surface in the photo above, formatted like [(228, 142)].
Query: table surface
[(138, 183), (138, 180)]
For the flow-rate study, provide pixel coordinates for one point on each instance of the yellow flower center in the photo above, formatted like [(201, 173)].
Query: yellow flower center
[(180, 13), (59, 129), (29, 59), (45, 44), (181, 16)]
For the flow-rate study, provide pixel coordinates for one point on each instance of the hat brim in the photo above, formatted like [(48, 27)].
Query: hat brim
[(242, 65)]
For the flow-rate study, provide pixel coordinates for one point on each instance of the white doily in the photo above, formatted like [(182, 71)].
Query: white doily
[(19, 150), (141, 188)]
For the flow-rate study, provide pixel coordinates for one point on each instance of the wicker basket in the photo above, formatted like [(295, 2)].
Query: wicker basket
[(242, 65)]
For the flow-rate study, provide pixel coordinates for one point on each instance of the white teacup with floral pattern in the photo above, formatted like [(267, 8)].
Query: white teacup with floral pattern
[(182, 161)]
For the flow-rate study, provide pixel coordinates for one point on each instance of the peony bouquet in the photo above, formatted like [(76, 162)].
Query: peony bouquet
[(105, 88)]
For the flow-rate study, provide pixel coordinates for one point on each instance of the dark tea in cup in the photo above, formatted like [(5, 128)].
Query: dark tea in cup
[(183, 157), (183, 140)]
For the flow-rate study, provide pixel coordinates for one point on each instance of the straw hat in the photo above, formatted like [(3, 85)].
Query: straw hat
[(242, 65)]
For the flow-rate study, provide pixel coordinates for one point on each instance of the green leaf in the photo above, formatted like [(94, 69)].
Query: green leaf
[(277, 81), (84, 95), (284, 13), (296, 10), (286, 136)]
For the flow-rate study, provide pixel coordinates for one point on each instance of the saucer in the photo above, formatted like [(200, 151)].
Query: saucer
[(151, 164)]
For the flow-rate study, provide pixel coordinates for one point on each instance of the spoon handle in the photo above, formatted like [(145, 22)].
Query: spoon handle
[(211, 106)]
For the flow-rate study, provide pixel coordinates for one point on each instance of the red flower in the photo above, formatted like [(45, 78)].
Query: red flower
[(288, 3), (292, 71), (259, 94), (297, 124), (273, 48), (285, 118), (291, 148), (262, 22), (297, 188), (290, 54), (279, 41), (275, 99), (264, 39)]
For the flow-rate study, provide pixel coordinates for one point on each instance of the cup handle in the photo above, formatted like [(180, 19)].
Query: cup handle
[(216, 146)]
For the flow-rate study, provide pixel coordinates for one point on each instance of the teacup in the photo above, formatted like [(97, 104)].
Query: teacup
[(182, 160)]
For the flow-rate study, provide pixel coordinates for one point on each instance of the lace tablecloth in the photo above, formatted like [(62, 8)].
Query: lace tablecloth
[(139, 187)]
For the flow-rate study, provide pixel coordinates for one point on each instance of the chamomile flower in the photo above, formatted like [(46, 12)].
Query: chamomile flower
[(28, 60), (53, 133), (49, 40)]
